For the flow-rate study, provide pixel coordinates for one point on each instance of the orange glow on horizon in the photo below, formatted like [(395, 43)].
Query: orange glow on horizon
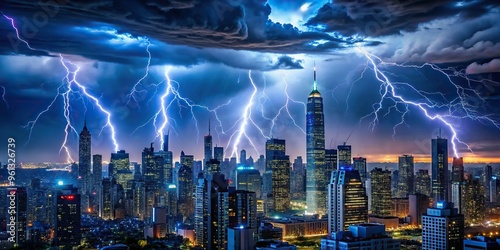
[(468, 158)]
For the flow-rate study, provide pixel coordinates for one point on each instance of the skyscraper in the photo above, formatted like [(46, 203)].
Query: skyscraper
[(487, 174), (67, 228), (279, 164), (153, 170), (381, 192), (457, 183), (119, 161), (344, 156), (243, 157), (474, 201), (219, 153), (442, 227), (315, 151), (249, 179), (107, 199), (423, 182), (330, 162), (208, 155), (406, 179), (97, 181), (185, 191), (457, 169), (84, 167), (347, 200), (359, 163), (440, 169), (17, 212)]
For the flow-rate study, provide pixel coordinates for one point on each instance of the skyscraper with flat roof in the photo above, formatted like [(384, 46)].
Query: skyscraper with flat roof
[(442, 227), (381, 192), (347, 200), (406, 184), (315, 151), (439, 169), (279, 164)]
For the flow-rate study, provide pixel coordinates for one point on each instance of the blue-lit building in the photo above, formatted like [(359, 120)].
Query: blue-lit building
[(442, 228), (316, 179), (249, 179)]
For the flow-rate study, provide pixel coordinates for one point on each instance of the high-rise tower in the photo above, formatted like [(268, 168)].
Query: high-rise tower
[(208, 155), (317, 180), (84, 166), (439, 169), (279, 164)]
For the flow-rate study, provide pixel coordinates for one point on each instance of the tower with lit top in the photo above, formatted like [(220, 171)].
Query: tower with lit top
[(317, 181)]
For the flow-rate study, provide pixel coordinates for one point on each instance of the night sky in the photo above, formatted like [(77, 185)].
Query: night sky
[(209, 47)]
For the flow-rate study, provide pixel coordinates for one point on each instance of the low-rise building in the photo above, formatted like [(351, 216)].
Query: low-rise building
[(364, 236)]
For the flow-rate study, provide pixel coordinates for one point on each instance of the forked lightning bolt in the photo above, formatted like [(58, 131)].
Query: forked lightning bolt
[(66, 92), (455, 109), (132, 95)]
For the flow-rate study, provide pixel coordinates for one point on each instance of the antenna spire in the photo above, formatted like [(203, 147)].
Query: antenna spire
[(315, 87), (208, 126)]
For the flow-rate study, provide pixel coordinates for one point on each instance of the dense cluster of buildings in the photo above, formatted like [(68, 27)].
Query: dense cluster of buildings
[(230, 203)]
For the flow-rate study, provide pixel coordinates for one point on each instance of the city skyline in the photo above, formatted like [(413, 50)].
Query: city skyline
[(249, 89)]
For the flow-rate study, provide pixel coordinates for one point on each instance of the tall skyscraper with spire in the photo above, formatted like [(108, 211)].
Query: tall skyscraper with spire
[(84, 166), (208, 147), (317, 181)]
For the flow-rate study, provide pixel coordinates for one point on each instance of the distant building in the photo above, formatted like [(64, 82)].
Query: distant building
[(487, 175), (406, 185), (269, 232), (294, 227), (359, 163), (400, 207), (361, 236), (380, 192), (347, 200), (442, 227), (481, 242), (423, 182), (474, 202), (418, 204), (207, 150), (97, 181)]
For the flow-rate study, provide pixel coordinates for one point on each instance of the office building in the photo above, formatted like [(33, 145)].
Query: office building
[(473, 202), (185, 187), (418, 204), (153, 170), (439, 169), (97, 181), (361, 236), (315, 151), (67, 228), (119, 161), (248, 178), (347, 200), (359, 163), (240, 238), (16, 208), (107, 199), (481, 243), (279, 164), (330, 162), (442, 228), (300, 226), (494, 196), (380, 192), (457, 170), (405, 181), (212, 166), (219, 153), (423, 182)]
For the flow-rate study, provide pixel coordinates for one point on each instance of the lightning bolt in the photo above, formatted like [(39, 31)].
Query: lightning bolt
[(134, 91), (66, 92), (285, 108), (246, 117), (389, 91), (3, 96), (71, 79)]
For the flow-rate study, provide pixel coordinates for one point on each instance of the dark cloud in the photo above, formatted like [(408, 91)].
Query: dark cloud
[(379, 18), (286, 62), (229, 24)]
